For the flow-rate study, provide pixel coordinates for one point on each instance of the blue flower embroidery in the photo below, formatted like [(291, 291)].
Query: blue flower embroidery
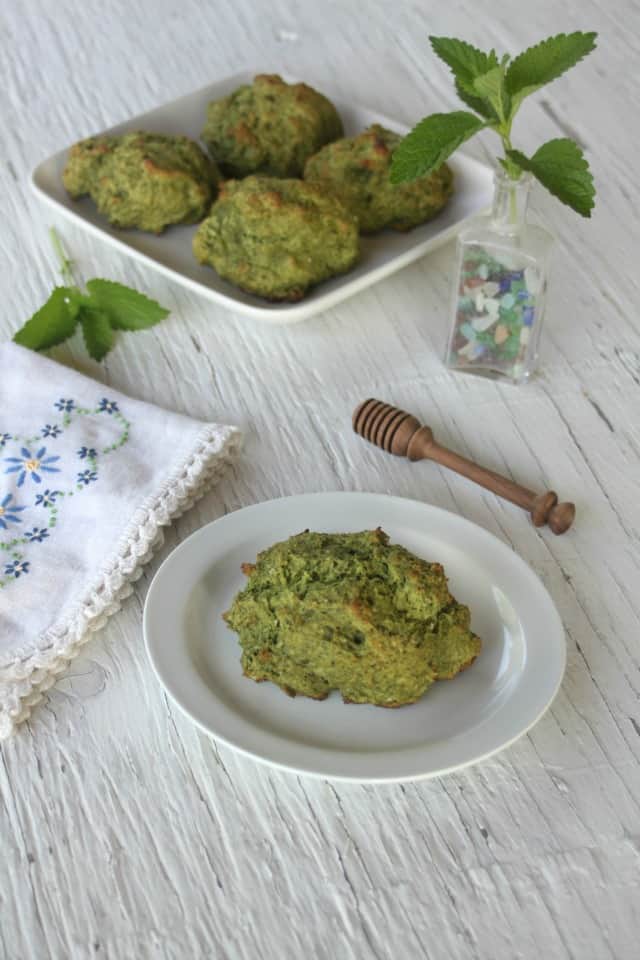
[(35, 461), (37, 535), (85, 452), (30, 464), (87, 476), (46, 499), (16, 567), (8, 512)]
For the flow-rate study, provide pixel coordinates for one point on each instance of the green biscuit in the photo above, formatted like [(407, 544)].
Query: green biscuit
[(357, 170), (143, 180), (276, 238), (269, 127), (353, 613)]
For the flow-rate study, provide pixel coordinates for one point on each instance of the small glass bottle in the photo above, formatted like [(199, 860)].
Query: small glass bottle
[(499, 289)]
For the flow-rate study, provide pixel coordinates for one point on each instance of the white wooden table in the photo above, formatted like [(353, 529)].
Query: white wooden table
[(124, 833)]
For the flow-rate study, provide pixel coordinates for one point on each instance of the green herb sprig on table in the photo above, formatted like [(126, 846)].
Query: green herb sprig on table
[(495, 90), (103, 309)]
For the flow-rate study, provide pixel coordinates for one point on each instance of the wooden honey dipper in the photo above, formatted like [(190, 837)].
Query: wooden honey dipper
[(402, 434)]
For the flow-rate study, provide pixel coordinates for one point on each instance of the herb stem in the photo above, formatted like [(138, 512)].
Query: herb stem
[(65, 264)]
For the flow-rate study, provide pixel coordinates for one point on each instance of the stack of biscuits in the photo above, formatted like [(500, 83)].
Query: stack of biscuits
[(283, 196)]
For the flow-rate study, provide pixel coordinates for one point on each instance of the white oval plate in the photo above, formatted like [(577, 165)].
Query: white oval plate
[(171, 253), (197, 657)]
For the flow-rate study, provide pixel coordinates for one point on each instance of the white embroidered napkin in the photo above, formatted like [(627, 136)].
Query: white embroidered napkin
[(88, 477)]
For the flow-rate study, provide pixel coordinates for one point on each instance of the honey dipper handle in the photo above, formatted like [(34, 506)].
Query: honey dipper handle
[(486, 478), (543, 507), (423, 446)]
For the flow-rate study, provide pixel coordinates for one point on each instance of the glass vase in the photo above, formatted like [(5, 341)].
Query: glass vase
[(499, 288)]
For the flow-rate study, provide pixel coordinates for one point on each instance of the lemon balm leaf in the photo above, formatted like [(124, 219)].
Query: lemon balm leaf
[(562, 168), (97, 333), (466, 63), (546, 61), (429, 144), (53, 323), (126, 308)]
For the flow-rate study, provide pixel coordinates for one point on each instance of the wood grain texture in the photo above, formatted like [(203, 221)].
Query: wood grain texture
[(125, 833)]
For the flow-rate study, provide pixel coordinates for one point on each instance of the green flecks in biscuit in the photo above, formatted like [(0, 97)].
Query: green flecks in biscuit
[(269, 127), (353, 613), (276, 238), (143, 180), (357, 170)]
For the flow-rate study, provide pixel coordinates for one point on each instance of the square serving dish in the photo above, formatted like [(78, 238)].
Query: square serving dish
[(171, 252)]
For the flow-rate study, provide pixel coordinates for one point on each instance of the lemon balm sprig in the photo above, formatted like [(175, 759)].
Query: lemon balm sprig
[(102, 309), (495, 90)]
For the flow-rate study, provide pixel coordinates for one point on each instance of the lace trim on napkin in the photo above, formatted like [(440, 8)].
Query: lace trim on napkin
[(27, 679)]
